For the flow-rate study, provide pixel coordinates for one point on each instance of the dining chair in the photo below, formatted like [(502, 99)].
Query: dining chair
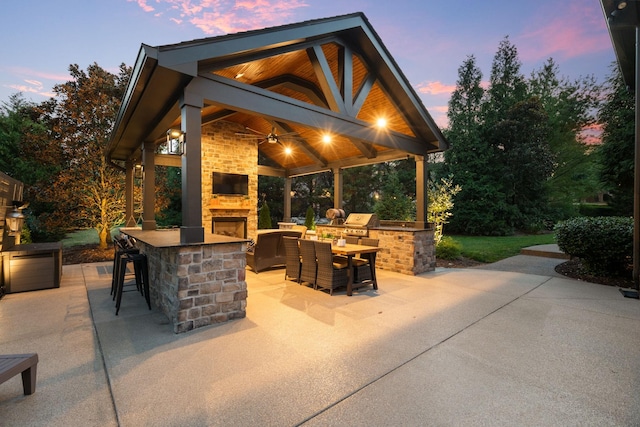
[(364, 265), (292, 258), (308, 260), (331, 275)]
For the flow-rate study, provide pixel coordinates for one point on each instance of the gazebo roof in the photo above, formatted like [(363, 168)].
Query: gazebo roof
[(622, 28), (327, 76)]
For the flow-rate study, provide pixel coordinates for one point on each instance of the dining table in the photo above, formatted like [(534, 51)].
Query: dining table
[(349, 250)]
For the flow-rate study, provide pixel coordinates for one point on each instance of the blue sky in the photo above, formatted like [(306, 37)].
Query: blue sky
[(429, 39)]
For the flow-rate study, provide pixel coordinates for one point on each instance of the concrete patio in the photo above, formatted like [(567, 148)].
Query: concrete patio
[(451, 347)]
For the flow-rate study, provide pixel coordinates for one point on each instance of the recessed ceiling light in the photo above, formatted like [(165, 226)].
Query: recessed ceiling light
[(326, 138), (381, 122), (239, 75), (287, 150)]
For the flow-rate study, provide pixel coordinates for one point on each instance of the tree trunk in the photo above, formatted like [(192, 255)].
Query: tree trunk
[(102, 234)]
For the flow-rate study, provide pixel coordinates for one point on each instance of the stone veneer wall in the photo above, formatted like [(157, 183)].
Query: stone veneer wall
[(404, 250), (223, 151), (198, 285)]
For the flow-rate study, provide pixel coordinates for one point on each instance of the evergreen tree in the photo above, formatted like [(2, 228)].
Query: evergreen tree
[(522, 139), (506, 83), (479, 205), (359, 185), (310, 219), (569, 106), (616, 154), (393, 203), (264, 220)]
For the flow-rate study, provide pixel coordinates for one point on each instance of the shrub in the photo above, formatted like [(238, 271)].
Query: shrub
[(596, 210), (604, 244), (264, 220), (310, 219), (448, 248)]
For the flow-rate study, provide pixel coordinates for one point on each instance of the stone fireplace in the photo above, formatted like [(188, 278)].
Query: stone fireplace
[(229, 226), (222, 151)]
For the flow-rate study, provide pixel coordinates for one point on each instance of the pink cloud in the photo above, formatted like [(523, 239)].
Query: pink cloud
[(143, 5), (569, 36), (30, 88), (28, 72), (221, 17), (435, 88), (592, 134)]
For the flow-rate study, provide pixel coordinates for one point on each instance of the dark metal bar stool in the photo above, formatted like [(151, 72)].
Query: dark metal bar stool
[(121, 247), (141, 271)]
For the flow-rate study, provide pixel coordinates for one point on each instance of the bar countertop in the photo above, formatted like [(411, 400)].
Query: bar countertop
[(171, 237)]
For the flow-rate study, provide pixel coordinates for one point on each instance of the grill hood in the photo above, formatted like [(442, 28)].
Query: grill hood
[(362, 220)]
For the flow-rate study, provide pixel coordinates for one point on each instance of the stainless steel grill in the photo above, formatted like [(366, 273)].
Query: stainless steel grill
[(358, 224)]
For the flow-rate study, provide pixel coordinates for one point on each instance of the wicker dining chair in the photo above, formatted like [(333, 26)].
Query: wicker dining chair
[(331, 275), (363, 271), (292, 258), (308, 260)]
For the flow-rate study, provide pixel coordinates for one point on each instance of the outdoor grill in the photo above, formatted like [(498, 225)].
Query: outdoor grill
[(358, 224)]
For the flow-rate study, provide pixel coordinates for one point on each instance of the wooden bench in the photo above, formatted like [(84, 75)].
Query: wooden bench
[(25, 364)]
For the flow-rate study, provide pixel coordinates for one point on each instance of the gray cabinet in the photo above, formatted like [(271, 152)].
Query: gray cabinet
[(32, 267)]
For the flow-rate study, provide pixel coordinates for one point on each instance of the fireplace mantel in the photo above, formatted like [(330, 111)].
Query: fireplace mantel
[(230, 204)]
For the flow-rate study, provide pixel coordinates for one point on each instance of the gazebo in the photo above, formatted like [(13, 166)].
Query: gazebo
[(314, 96)]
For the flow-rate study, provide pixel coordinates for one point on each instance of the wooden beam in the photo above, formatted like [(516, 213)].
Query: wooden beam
[(256, 101)]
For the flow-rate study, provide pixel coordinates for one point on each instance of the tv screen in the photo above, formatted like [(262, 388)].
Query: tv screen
[(230, 183)]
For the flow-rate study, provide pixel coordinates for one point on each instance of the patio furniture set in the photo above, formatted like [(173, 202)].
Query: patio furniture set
[(332, 264)]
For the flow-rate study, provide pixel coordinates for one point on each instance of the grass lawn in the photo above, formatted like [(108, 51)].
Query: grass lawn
[(88, 236), (492, 249), (479, 248)]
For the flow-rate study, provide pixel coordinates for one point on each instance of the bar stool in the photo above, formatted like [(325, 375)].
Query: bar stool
[(120, 247), (141, 271)]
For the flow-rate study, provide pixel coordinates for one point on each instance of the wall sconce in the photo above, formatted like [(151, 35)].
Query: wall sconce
[(175, 142), (138, 172), (14, 221)]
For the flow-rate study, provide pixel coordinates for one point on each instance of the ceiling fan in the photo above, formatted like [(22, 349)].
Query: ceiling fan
[(272, 137)]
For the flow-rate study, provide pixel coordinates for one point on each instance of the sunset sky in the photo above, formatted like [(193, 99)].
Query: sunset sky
[(428, 39)]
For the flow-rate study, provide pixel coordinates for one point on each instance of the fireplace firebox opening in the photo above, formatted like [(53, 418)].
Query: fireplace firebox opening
[(230, 226)]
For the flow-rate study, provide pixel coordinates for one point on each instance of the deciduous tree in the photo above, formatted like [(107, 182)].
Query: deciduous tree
[(89, 190)]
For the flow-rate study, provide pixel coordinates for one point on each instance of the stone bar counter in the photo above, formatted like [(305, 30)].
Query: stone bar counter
[(197, 284), (405, 249)]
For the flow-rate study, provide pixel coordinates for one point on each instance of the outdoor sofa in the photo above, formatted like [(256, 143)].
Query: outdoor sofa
[(268, 250)]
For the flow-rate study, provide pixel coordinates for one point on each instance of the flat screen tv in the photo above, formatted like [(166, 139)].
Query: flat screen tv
[(230, 184)]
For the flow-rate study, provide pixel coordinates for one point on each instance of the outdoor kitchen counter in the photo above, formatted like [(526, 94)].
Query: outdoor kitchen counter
[(195, 284), (171, 238), (404, 249)]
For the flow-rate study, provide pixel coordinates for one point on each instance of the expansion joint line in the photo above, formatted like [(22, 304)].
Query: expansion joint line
[(100, 349), (425, 351)]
